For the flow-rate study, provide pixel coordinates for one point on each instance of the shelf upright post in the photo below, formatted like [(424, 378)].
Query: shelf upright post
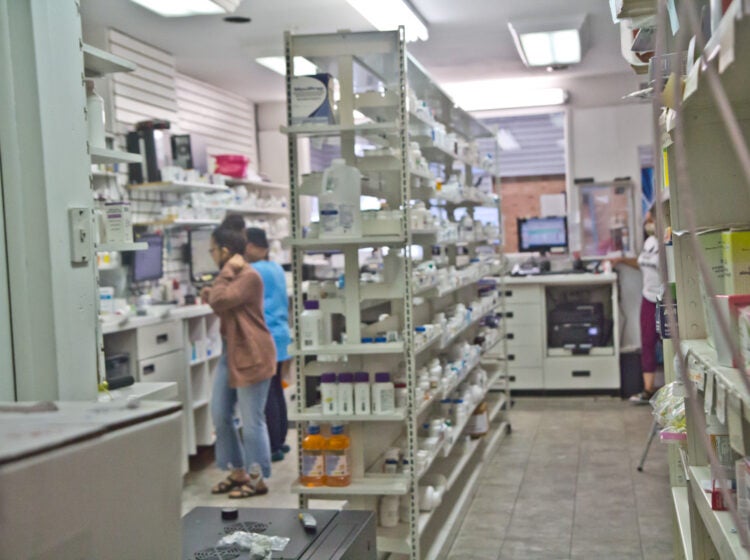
[(297, 252)]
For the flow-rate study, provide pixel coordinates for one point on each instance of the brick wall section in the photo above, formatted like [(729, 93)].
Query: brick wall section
[(520, 199)]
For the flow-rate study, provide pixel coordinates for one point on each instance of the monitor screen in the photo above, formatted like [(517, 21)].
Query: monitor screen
[(542, 234), (148, 264), (202, 265)]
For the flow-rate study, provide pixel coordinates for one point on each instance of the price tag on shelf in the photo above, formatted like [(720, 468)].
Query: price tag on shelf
[(708, 395), (721, 402), (695, 372), (734, 418)]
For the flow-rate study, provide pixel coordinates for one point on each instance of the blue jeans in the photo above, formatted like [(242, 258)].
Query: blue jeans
[(251, 403)]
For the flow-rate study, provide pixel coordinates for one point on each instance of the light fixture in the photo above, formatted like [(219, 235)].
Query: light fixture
[(302, 66), (486, 95), (386, 15), (182, 8), (551, 44)]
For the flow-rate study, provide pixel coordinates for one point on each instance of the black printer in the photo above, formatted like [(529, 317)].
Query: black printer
[(578, 326)]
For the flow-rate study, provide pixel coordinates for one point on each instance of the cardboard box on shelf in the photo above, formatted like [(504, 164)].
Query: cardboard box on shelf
[(710, 242), (729, 307), (312, 99), (736, 258)]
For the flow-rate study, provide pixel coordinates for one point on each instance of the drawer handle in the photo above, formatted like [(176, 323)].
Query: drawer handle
[(510, 336), (512, 378), (508, 293), (509, 314), (151, 368), (581, 373), (162, 338), (511, 357)]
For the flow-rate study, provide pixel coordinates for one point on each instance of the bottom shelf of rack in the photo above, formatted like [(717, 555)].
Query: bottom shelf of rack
[(719, 524), (367, 486), (681, 504)]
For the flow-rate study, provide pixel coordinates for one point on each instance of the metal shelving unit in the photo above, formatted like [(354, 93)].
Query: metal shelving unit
[(383, 57)]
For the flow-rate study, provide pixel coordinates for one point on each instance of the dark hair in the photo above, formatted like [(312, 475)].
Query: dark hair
[(234, 222), (234, 241), (257, 237)]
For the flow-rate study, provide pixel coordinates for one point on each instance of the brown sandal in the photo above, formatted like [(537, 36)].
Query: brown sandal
[(248, 491), (227, 485)]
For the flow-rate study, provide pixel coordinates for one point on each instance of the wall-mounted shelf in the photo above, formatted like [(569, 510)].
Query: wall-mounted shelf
[(105, 156), (109, 247), (98, 63), (257, 184), (178, 187)]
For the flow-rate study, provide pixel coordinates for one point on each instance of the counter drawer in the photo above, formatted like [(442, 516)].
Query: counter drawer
[(162, 338), (522, 314), (522, 294), (524, 355), (582, 372), (168, 367), (523, 335), (526, 378)]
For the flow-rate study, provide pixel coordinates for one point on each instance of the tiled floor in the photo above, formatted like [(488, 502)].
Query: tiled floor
[(563, 485)]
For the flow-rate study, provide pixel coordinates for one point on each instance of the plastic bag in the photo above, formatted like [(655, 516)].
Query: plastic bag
[(668, 405), (261, 547), (231, 165)]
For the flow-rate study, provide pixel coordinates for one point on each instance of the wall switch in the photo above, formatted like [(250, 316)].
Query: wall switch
[(81, 246)]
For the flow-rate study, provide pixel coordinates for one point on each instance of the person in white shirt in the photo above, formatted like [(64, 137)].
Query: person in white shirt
[(648, 263)]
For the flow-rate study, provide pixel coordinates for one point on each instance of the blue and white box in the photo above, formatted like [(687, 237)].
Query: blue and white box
[(312, 99)]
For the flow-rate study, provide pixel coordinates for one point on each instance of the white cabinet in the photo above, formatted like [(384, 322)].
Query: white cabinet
[(532, 363), (162, 338)]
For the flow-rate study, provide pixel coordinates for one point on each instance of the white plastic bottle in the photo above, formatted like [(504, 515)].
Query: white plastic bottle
[(312, 326), (329, 394), (346, 393), (339, 201), (388, 512), (95, 116), (362, 393), (383, 394)]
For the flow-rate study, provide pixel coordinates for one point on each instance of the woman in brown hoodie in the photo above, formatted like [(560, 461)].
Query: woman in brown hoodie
[(244, 371)]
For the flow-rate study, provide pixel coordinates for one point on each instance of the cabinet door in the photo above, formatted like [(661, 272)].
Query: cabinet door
[(522, 314), (162, 338), (524, 335), (522, 294), (168, 367), (524, 355), (526, 378)]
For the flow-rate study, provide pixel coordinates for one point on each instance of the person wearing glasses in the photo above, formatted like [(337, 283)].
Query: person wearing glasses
[(244, 371)]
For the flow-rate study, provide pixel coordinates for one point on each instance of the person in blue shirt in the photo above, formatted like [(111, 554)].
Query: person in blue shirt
[(276, 311)]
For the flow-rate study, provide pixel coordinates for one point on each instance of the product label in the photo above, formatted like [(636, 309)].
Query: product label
[(337, 463), (312, 464), (346, 217), (329, 218)]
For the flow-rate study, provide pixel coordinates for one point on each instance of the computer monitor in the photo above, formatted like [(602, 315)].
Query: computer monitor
[(202, 266), (148, 264), (542, 235)]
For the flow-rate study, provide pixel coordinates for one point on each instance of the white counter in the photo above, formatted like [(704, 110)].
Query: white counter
[(157, 314)]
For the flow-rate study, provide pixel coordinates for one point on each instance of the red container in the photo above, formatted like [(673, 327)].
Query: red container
[(232, 165)]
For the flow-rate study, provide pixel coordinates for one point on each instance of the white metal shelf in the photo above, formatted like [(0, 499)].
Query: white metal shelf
[(106, 156), (254, 210), (352, 349), (107, 247), (201, 361), (330, 242), (730, 378), (383, 485), (719, 524), (681, 504), (178, 187), (257, 184), (98, 63), (200, 403), (315, 414), (337, 129)]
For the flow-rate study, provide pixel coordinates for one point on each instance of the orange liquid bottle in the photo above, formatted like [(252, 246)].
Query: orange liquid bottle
[(338, 468), (313, 461)]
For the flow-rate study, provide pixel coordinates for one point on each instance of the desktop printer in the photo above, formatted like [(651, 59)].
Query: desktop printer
[(578, 326), (337, 535)]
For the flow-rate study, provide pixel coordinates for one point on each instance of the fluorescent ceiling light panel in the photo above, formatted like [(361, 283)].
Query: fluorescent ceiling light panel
[(302, 66), (499, 94), (549, 44), (182, 8), (387, 15)]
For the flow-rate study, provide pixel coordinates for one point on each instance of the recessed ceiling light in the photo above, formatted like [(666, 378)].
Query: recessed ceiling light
[(302, 66), (237, 19), (182, 8), (551, 44), (387, 15), (486, 95)]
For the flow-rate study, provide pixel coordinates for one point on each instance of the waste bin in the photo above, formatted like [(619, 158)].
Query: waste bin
[(631, 378)]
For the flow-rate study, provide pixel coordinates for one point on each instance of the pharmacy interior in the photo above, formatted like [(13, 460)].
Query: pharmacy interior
[(457, 214)]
